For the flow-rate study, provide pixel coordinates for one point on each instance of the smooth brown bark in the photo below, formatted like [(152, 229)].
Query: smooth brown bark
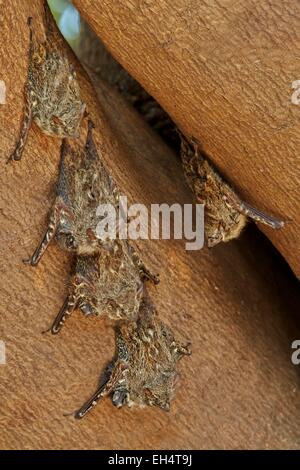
[(238, 389), (224, 72)]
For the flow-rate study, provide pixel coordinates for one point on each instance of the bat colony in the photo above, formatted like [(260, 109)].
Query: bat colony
[(109, 276)]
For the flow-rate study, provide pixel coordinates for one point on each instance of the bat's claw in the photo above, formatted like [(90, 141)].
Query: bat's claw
[(46, 331), (155, 279), (29, 261), (73, 413)]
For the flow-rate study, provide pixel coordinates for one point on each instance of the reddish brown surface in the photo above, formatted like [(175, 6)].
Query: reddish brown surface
[(238, 389), (224, 72)]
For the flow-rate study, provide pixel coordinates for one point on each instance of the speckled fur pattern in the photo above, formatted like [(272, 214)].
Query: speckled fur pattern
[(109, 284), (143, 372), (84, 183), (225, 213), (52, 93)]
